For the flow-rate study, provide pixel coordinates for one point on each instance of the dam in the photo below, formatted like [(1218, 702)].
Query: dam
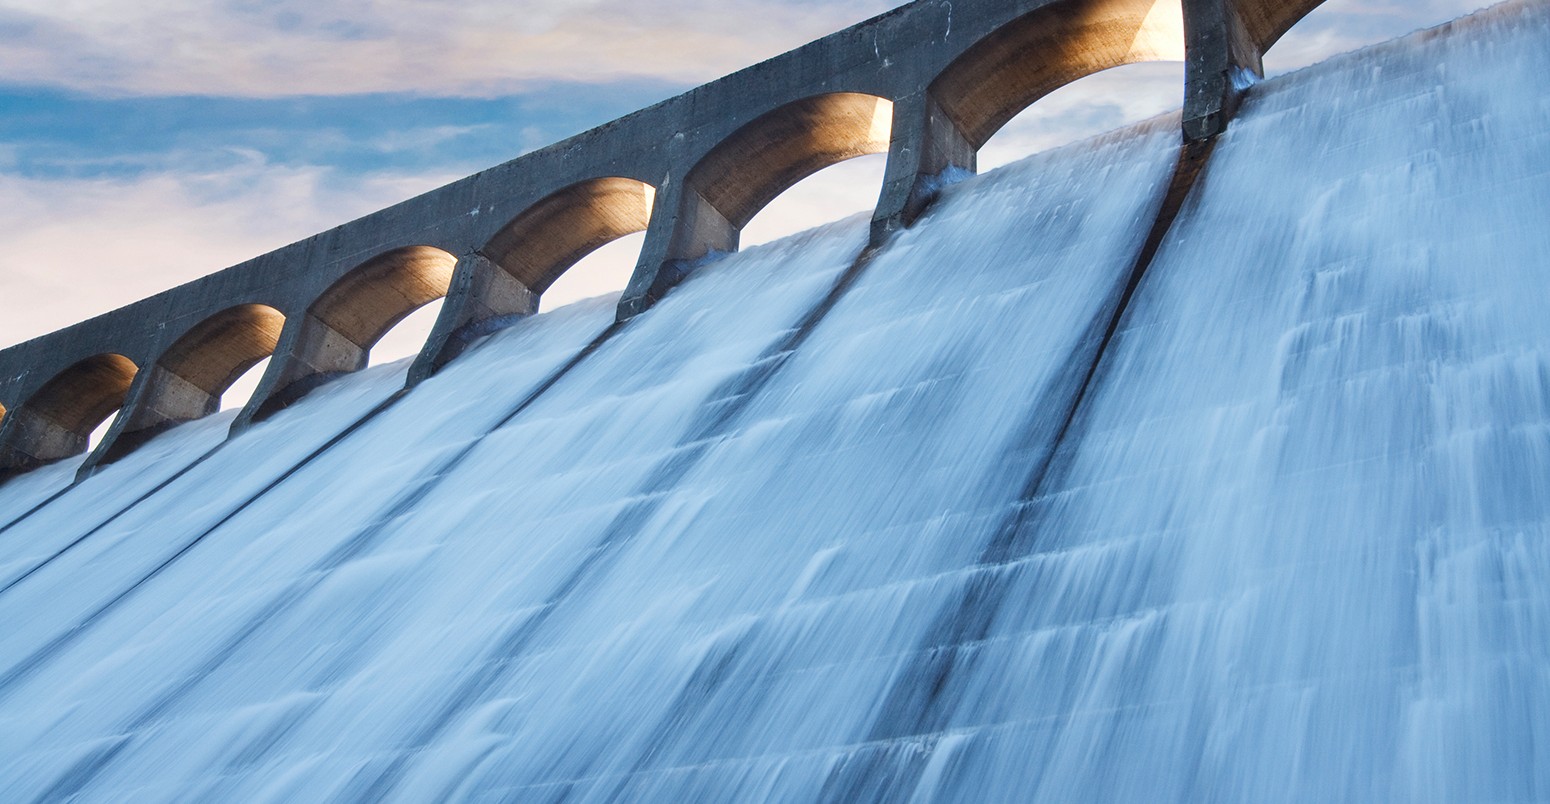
[(1161, 466)]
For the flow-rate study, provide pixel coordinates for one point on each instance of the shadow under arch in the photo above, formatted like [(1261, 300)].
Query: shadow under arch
[(503, 281), (189, 379), (57, 421), (1030, 57), (766, 156), (545, 240), (363, 305), (337, 332)]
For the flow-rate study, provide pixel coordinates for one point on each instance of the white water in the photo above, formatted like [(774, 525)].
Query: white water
[(1291, 547)]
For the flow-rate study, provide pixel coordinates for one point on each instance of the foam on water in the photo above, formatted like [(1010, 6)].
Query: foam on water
[(1296, 549), (827, 527)]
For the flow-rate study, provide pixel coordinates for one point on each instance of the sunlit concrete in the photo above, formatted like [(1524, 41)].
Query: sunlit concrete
[(1266, 21), (748, 169), (503, 280), (1049, 48), (769, 155), (187, 382), (546, 240), (337, 332)]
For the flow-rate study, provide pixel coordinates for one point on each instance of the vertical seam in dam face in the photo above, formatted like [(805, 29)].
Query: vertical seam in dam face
[(913, 706), (1139, 469), (738, 393), (31, 663), (1192, 161), (28, 665), (38, 507), (100, 525), (351, 547)]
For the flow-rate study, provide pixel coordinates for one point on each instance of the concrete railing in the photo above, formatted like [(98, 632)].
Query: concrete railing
[(928, 83)]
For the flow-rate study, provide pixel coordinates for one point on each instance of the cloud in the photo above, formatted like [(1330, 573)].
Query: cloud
[(75, 248), (1339, 26), (1095, 105), (834, 193), (277, 48), (272, 48), (93, 237)]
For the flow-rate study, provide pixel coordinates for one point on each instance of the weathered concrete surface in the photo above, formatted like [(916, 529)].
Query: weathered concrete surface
[(188, 380), (58, 420), (337, 331), (503, 281), (1221, 52), (929, 83)]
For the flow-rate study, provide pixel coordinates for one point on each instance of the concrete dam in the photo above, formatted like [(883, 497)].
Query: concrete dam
[(1155, 467)]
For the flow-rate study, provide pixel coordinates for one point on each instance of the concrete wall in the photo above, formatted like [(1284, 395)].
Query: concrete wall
[(928, 83)]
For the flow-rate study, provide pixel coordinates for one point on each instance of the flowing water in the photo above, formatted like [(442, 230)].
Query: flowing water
[(960, 519)]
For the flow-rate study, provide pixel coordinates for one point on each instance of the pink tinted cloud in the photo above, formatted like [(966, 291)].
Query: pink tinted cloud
[(128, 238), (75, 248), (475, 47)]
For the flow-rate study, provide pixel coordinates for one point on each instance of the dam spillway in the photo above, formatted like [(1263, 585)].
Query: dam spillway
[(1019, 506)]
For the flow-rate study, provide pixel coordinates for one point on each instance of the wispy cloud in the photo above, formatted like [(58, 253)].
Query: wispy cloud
[(78, 247), (110, 200), (1098, 103), (47, 133), (478, 47), (1339, 26), (275, 48)]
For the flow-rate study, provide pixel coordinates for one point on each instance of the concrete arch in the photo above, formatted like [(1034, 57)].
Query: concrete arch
[(1048, 48), (743, 172), (188, 380), (764, 158), (57, 421), (955, 71), (337, 332), (363, 305), (546, 239), (216, 351), (502, 282)]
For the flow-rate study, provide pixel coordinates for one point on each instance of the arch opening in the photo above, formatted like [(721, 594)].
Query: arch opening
[(241, 389), (1044, 50), (1087, 107), (406, 336), (1305, 33), (766, 157), (606, 270), (99, 434), (58, 420), (343, 325), (547, 240), (210, 357), (827, 195), (367, 302), (1266, 21), (189, 379)]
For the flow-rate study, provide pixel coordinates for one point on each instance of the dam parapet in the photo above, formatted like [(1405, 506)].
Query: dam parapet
[(927, 84)]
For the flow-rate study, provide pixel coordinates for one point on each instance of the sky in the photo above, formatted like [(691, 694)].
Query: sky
[(144, 144)]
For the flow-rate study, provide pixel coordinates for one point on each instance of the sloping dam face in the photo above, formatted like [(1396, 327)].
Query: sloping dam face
[(972, 518)]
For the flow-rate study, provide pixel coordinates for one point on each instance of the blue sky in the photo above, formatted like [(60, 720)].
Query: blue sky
[(145, 144)]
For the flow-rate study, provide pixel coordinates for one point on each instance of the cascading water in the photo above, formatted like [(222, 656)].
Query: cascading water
[(903, 525)]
